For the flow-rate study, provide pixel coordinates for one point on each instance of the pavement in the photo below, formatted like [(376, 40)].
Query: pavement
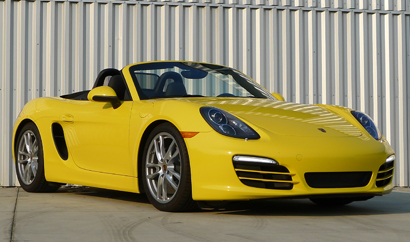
[(90, 214)]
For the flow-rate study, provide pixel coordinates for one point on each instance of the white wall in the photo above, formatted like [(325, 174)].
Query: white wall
[(343, 52)]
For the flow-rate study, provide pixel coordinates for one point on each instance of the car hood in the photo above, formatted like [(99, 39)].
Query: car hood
[(285, 118)]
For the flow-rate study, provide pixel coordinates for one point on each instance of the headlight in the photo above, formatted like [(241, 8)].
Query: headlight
[(367, 123), (227, 124)]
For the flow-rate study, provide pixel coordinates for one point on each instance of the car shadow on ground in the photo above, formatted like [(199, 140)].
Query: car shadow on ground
[(104, 193), (393, 203), (304, 207)]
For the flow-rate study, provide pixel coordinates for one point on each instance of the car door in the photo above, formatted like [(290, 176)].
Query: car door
[(98, 136)]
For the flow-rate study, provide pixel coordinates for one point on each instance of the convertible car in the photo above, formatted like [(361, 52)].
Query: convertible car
[(189, 132)]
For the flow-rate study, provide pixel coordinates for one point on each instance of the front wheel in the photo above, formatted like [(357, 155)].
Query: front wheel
[(166, 170), (30, 161)]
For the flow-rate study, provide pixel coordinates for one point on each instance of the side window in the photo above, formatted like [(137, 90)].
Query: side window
[(147, 80)]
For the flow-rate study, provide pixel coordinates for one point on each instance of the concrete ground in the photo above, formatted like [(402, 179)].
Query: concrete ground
[(88, 214)]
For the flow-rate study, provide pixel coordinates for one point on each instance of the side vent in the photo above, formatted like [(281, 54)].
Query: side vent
[(59, 140)]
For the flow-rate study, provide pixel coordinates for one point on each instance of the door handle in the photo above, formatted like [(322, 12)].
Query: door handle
[(68, 118)]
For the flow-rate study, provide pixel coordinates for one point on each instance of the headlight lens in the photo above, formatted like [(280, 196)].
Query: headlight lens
[(227, 124), (368, 124)]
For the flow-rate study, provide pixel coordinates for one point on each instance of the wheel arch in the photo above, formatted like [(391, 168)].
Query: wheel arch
[(143, 140), (181, 198), (17, 132)]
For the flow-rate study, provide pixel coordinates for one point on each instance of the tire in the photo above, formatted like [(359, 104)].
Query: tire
[(166, 170), (30, 161), (332, 202)]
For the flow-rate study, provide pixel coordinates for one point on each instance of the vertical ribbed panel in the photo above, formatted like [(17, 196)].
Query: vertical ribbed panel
[(350, 53)]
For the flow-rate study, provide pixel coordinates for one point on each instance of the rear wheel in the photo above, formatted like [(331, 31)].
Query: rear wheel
[(30, 161), (166, 170)]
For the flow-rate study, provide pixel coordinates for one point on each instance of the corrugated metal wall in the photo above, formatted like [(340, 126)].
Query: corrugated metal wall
[(343, 52)]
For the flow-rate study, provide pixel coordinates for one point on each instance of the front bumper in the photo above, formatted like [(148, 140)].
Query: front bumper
[(214, 176)]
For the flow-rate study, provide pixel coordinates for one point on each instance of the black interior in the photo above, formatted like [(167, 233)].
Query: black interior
[(117, 82), (104, 74), (77, 95)]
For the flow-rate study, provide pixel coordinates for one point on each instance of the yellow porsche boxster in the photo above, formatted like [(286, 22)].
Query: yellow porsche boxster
[(188, 132)]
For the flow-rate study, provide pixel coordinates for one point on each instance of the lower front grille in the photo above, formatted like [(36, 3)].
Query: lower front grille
[(263, 175), (385, 174), (338, 179)]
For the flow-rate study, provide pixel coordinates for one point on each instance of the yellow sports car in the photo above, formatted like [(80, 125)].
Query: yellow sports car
[(188, 132)]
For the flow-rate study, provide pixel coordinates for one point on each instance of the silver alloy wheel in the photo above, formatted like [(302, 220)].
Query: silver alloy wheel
[(27, 157), (163, 167)]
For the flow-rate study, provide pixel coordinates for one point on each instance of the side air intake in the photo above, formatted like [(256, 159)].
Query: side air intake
[(59, 140)]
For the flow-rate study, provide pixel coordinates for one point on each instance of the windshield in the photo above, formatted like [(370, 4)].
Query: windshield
[(190, 79)]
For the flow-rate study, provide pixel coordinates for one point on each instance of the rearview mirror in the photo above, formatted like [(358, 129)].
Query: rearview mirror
[(194, 74), (278, 96), (104, 94)]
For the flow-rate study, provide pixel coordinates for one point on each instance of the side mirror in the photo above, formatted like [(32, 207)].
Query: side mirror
[(278, 96), (104, 94)]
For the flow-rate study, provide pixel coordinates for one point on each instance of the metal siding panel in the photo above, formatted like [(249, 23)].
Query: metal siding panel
[(88, 53), (275, 46), (245, 39), (324, 57), (5, 154), (334, 52), (8, 102), (21, 50), (119, 35), (375, 4), (271, 50), (406, 135), (219, 28), (306, 57), (363, 65), (138, 19), (193, 52), (208, 34), (179, 32), (362, 4), (250, 45), (312, 60), (4, 158), (338, 58), (232, 37), (351, 60), (174, 44), (401, 125), (60, 57), (375, 74), (79, 48), (259, 46), (388, 75), (298, 56), (286, 31)]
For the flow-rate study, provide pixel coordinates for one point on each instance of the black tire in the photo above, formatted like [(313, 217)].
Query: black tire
[(166, 174), (332, 202), (29, 162)]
